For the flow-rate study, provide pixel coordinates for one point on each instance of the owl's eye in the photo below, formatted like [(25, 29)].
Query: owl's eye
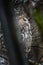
[(24, 19)]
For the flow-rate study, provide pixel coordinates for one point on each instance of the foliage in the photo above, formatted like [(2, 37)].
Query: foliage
[(39, 20)]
